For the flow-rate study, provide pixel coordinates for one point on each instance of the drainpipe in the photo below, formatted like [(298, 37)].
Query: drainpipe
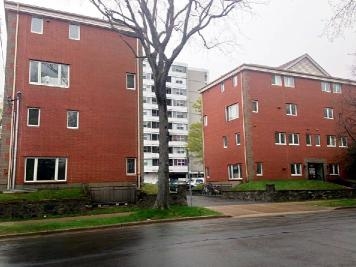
[(17, 99), (10, 167), (139, 131)]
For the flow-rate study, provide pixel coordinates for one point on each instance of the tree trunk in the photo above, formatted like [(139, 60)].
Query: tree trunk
[(162, 200)]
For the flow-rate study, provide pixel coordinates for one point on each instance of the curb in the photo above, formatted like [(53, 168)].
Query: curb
[(112, 226)]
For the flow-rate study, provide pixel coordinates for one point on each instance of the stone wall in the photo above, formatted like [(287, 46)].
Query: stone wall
[(147, 201), (289, 195)]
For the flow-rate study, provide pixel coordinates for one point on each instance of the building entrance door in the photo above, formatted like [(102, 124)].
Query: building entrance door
[(315, 171)]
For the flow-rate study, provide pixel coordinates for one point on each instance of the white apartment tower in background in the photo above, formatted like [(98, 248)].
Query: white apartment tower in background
[(178, 117)]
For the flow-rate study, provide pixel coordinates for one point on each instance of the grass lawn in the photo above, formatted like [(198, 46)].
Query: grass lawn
[(346, 202), (80, 222), (45, 194), (288, 185)]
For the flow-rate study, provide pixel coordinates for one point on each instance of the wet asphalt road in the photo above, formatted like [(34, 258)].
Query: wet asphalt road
[(323, 239)]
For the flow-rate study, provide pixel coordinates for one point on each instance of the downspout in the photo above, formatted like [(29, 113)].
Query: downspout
[(10, 168), (243, 124), (138, 78), (18, 98)]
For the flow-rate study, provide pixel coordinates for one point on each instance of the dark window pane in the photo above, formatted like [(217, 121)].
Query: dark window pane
[(72, 119), (33, 114), (62, 169), (130, 81), (46, 169), (30, 167), (131, 166)]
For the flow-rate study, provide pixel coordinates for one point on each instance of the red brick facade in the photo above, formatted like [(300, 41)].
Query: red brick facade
[(258, 129), (108, 130)]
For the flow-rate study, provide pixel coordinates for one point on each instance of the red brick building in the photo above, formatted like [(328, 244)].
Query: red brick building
[(275, 123), (74, 83)]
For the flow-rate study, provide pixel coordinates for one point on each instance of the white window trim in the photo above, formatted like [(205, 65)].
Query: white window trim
[(295, 137), (337, 169), (131, 174), (281, 80), (336, 92), (71, 38), (205, 120), (341, 143), (39, 74), (225, 142), (41, 32), (28, 117), (222, 87), (257, 106), (329, 138), (328, 90), (290, 109), (131, 88), (285, 139), (228, 118), (301, 169), (229, 171), (69, 127), (317, 137), (237, 142), (311, 140), (261, 173), (329, 111), (55, 172), (235, 81), (286, 78)]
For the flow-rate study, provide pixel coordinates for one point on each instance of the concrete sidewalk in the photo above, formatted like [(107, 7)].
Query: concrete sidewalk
[(268, 209)]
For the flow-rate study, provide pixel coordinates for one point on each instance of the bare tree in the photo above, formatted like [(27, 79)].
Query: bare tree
[(164, 27)]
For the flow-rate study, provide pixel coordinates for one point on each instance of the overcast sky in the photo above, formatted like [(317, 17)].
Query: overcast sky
[(271, 34)]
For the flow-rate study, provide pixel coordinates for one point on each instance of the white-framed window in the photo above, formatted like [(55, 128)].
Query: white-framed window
[(232, 112), (234, 171), (37, 25), (72, 119), (74, 32), (205, 120), (255, 106), (130, 166), (331, 140), (328, 113), (293, 139), (343, 141), (317, 140), (308, 139), (234, 80), (334, 169), (296, 169), (130, 81), (49, 74), (280, 138), (336, 88), (222, 87), (259, 169), (277, 80), (291, 109), (325, 87), (45, 169), (288, 81), (224, 141), (237, 139), (33, 117)]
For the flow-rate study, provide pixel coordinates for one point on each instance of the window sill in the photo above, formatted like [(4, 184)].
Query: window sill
[(330, 146), (293, 144), (46, 181), (49, 85), (33, 126), (280, 144), (131, 174), (259, 174), (276, 84), (296, 174), (292, 115), (235, 179), (343, 146), (334, 174)]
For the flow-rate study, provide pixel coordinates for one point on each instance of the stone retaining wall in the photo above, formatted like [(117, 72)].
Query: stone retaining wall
[(289, 195)]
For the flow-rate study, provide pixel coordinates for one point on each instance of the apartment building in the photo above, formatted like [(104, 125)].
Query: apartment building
[(71, 111), (262, 122), (178, 95)]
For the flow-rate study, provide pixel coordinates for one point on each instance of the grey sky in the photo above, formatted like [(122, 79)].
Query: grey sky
[(272, 34)]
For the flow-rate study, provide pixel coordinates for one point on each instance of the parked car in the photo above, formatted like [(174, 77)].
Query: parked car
[(195, 181)]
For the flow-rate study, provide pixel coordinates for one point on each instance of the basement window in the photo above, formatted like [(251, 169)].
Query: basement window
[(45, 169)]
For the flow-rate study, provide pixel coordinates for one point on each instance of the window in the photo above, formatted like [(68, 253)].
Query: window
[(72, 119), (74, 32), (130, 81), (293, 139), (317, 140), (280, 138), (50, 74), (331, 140), (255, 106), (234, 171), (296, 169), (277, 80), (45, 169), (288, 81), (325, 87), (334, 169), (259, 169), (237, 139), (308, 139), (37, 25), (205, 119), (336, 88), (343, 141), (328, 113), (181, 69), (169, 79), (179, 81), (232, 112), (33, 117), (222, 87), (130, 166), (291, 109), (224, 141), (234, 81)]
